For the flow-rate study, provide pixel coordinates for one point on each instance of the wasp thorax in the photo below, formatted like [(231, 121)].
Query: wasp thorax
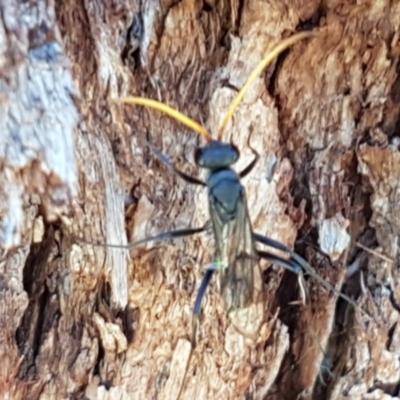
[(216, 155)]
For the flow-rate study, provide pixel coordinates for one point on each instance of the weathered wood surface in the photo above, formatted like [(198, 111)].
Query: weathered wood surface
[(85, 322)]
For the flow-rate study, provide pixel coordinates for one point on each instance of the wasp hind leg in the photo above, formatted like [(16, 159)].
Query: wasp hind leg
[(199, 300), (196, 315), (294, 263), (290, 265)]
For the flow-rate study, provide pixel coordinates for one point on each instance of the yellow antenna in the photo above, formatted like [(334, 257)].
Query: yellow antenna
[(175, 114), (279, 48)]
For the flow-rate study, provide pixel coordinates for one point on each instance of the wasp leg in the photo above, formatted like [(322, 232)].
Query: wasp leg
[(287, 264), (199, 299), (300, 261), (203, 287), (290, 265), (280, 246), (159, 238), (169, 235), (250, 167), (196, 314), (271, 243), (166, 160)]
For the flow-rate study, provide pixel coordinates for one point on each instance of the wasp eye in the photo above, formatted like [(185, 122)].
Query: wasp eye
[(198, 155)]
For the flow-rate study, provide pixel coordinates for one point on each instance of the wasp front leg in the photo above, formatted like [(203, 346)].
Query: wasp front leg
[(167, 161)]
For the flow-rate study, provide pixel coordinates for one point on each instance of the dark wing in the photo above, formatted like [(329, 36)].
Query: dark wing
[(241, 280)]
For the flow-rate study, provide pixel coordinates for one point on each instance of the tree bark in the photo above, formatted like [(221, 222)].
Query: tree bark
[(80, 321)]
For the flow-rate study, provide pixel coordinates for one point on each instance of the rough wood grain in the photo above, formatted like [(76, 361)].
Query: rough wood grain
[(100, 323)]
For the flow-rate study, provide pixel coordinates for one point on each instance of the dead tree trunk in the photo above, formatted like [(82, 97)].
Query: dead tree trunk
[(86, 322)]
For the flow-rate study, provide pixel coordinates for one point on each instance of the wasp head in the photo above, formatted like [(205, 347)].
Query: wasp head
[(216, 155)]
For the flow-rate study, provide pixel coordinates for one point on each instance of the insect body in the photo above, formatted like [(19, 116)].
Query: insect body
[(235, 252), (236, 255), (240, 276)]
